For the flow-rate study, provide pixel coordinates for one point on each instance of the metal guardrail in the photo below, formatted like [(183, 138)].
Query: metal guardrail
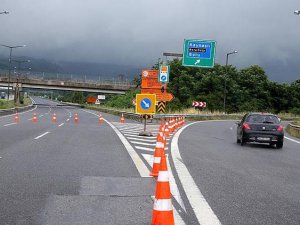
[(293, 130)]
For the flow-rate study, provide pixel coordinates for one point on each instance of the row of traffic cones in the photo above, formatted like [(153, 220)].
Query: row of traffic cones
[(162, 213), (34, 118)]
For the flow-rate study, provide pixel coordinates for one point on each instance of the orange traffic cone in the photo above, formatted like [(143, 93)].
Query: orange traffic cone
[(17, 117), (162, 213), (34, 118), (100, 119), (159, 151), (54, 118), (76, 119), (167, 131), (122, 118)]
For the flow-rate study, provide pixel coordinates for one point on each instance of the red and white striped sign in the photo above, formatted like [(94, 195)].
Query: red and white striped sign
[(199, 104)]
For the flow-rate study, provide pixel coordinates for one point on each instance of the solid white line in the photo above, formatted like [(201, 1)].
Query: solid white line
[(290, 139), (41, 135), (61, 124), (6, 125), (203, 211), (141, 167)]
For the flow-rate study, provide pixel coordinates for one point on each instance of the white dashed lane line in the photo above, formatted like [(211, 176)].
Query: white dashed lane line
[(61, 124), (6, 125), (42, 135)]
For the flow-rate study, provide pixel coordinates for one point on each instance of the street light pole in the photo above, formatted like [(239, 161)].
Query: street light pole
[(225, 82), (9, 68)]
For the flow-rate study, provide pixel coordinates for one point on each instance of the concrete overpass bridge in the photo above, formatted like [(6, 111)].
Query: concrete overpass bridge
[(21, 82)]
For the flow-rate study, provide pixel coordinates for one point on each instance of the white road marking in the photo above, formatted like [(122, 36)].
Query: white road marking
[(141, 167), (290, 139), (143, 170), (203, 211), (143, 143), (136, 135), (41, 135), (41, 115), (61, 124), (6, 125), (173, 185), (68, 119), (141, 139), (146, 149), (0, 157)]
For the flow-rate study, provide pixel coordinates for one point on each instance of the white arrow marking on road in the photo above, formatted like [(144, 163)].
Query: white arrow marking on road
[(146, 104)]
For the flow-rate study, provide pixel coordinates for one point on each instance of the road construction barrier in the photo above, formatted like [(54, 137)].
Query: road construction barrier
[(34, 118), (163, 209)]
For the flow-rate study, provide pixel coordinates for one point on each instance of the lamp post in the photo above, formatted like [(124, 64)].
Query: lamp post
[(5, 12), (225, 83), (9, 69)]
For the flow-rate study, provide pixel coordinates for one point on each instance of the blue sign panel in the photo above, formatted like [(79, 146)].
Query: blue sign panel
[(146, 103), (199, 49)]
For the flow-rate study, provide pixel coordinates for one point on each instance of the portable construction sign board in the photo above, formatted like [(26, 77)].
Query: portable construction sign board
[(145, 104), (163, 75), (199, 53)]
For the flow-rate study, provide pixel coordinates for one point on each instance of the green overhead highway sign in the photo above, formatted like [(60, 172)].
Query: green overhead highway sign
[(199, 53)]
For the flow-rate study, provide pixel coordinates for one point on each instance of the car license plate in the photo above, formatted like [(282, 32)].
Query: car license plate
[(263, 139)]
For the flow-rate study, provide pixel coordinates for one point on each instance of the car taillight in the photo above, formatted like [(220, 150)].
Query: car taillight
[(246, 126), (280, 128)]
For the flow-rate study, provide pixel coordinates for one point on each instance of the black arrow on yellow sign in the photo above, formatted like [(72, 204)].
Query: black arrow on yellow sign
[(161, 107)]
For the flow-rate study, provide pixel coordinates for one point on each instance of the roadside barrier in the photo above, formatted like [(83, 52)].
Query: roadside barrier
[(34, 118), (162, 213), (293, 130), (54, 118)]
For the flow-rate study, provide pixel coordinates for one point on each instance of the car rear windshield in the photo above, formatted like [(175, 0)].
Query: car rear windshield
[(260, 118)]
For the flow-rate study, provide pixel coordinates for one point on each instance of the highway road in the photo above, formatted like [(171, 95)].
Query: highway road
[(252, 184), (88, 173)]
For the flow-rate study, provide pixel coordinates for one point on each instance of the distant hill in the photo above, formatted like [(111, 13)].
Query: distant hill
[(77, 69)]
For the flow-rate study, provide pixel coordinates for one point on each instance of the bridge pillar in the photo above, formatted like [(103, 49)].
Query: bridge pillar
[(17, 87)]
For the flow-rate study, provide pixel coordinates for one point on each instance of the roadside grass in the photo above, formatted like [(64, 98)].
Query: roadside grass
[(4, 104)]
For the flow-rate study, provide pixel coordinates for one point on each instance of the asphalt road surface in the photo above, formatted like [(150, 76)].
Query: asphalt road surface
[(86, 173), (252, 184)]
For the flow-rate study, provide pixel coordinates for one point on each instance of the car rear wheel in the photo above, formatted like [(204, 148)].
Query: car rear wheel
[(279, 144), (242, 141)]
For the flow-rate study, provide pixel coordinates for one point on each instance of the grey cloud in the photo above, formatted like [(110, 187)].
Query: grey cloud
[(137, 32)]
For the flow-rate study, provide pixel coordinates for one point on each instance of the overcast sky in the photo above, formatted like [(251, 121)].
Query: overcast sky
[(137, 32)]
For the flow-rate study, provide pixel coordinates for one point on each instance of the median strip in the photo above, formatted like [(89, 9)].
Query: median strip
[(42, 135)]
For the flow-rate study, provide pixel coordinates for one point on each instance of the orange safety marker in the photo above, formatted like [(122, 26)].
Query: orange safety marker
[(76, 119), (34, 118), (159, 151), (54, 118), (17, 117), (167, 131), (122, 118), (162, 213), (100, 119)]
